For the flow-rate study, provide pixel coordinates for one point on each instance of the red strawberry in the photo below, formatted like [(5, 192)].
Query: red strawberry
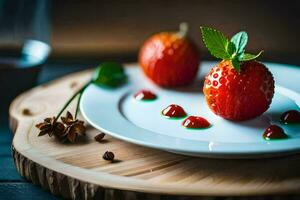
[(238, 88), (239, 96), (169, 59)]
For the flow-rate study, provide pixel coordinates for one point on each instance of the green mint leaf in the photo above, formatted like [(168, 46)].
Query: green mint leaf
[(240, 40), (240, 56), (231, 50), (248, 56), (216, 43), (236, 64), (109, 74)]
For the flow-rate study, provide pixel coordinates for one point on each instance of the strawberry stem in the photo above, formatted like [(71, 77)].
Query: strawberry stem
[(183, 29)]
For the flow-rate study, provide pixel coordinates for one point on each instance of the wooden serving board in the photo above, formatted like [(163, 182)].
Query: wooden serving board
[(77, 171)]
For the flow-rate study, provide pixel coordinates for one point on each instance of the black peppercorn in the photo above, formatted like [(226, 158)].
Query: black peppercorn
[(99, 137), (108, 155)]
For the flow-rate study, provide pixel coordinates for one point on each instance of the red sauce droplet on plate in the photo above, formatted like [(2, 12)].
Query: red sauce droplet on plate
[(274, 132), (174, 111), (195, 122), (145, 95), (290, 117)]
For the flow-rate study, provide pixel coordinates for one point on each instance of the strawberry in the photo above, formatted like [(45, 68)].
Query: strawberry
[(169, 59), (238, 88)]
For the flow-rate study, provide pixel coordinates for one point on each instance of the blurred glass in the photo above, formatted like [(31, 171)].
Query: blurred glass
[(22, 20), (24, 38)]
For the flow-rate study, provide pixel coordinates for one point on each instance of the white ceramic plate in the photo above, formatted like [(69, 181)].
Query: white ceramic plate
[(117, 113)]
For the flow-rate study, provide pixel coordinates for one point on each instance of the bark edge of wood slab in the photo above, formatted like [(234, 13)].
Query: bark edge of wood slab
[(77, 171)]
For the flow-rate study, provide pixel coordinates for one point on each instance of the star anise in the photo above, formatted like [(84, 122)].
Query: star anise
[(74, 128), (68, 119), (51, 127), (67, 130)]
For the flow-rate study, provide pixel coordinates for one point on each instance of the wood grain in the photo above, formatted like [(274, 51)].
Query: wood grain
[(77, 171)]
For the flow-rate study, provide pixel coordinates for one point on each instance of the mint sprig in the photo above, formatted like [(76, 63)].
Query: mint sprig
[(233, 50)]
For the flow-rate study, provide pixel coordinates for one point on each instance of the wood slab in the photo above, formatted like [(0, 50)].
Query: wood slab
[(77, 171)]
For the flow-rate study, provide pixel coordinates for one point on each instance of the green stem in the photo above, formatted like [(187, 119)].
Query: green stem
[(80, 91), (77, 106)]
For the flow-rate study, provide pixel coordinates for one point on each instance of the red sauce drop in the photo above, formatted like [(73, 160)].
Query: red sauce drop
[(290, 117), (274, 132), (145, 95), (174, 111), (195, 122)]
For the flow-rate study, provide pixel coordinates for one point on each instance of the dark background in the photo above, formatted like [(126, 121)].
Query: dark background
[(115, 29)]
